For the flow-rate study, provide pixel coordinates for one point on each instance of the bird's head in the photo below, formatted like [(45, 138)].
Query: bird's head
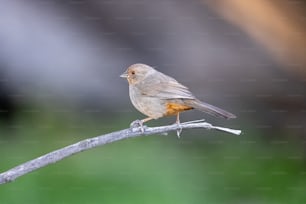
[(137, 72)]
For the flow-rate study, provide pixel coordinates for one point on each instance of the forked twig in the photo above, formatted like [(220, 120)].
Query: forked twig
[(90, 143)]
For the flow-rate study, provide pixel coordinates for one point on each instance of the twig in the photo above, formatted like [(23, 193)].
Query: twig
[(90, 143)]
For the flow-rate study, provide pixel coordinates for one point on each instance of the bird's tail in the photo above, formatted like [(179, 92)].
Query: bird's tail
[(210, 109)]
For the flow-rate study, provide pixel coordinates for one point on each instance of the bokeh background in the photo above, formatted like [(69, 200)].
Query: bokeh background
[(60, 63)]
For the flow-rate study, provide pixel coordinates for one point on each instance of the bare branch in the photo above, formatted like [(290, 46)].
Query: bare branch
[(90, 143)]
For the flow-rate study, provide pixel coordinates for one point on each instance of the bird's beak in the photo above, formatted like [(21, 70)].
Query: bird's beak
[(124, 75)]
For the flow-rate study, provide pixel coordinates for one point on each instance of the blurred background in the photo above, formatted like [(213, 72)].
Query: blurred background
[(60, 63)]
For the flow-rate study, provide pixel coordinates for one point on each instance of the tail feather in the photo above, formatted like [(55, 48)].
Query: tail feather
[(210, 109)]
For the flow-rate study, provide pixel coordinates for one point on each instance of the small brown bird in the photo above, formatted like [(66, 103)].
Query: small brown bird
[(157, 95)]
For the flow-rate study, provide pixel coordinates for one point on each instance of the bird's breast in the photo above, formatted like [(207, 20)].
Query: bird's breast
[(148, 105)]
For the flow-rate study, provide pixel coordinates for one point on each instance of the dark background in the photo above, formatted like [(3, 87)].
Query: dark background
[(60, 63)]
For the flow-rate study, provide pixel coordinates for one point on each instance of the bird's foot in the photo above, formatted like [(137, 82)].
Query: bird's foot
[(138, 124), (179, 129)]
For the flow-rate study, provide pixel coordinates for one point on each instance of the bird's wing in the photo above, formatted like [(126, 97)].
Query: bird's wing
[(164, 87)]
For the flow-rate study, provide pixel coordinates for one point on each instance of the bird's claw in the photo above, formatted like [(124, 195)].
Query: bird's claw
[(138, 124), (179, 129)]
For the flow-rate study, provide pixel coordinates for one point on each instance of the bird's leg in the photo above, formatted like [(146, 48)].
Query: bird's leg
[(179, 130), (139, 123), (146, 120)]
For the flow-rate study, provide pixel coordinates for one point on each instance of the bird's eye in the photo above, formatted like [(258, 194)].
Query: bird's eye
[(133, 72)]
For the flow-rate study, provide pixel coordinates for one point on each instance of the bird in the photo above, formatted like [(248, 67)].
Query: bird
[(158, 95)]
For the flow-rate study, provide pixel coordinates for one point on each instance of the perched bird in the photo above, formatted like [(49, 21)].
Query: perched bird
[(157, 95)]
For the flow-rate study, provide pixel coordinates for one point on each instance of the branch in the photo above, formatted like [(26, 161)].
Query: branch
[(90, 143)]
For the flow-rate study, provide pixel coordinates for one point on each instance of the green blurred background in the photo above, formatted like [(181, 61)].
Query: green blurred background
[(201, 167), (59, 68)]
